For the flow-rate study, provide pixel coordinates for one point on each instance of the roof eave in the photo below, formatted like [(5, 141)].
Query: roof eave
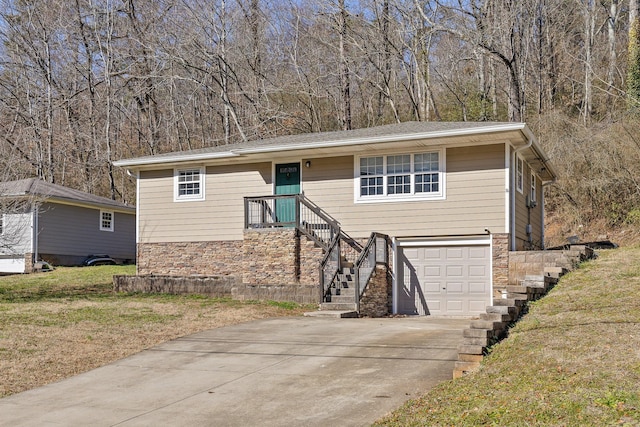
[(138, 163)]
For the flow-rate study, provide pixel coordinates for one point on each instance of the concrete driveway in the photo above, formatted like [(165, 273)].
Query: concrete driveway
[(298, 371)]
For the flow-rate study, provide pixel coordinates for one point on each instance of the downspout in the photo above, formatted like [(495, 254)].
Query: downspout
[(514, 189)]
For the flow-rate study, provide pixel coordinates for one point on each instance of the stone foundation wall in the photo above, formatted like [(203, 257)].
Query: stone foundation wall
[(190, 258), (310, 257), (376, 300), (230, 286), (270, 257), (213, 286), (302, 294)]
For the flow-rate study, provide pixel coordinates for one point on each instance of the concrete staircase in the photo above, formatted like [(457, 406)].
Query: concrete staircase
[(343, 296), (492, 326)]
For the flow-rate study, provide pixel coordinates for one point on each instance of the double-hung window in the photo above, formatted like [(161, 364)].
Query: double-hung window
[(189, 184), (409, 176)]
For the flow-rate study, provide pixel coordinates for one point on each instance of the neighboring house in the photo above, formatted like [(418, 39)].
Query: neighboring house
[(453, 199), (60, 225)]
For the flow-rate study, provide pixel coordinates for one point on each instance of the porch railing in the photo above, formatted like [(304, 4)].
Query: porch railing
[(375, 252), (296, 211)]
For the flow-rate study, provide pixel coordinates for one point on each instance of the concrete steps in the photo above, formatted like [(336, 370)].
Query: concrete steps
[(493, 325)]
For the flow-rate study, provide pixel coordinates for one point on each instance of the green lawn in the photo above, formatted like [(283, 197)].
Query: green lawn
[(57, 324), (573, 360)]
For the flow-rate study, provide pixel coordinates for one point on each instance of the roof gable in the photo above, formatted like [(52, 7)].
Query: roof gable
[(53, 192)]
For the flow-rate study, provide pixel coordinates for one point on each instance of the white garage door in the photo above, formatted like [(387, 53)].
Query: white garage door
[(444, 280), (12, 265)]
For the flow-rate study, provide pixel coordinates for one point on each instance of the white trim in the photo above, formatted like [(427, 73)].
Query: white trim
[(112, 220), (507, 184), (202, 180), (449, 241), (397, 243), (413, 197)]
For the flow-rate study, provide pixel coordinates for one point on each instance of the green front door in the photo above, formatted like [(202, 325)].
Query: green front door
[(287, 182)]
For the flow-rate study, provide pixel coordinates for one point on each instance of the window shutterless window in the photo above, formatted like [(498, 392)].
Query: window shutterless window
[(189, 184), (519, 174), (400, 177), (532, 193), (106, 221)]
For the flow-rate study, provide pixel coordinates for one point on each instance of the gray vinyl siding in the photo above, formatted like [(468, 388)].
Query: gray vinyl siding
[(17, 234), (219, 217), (75, 231), (475, 197)]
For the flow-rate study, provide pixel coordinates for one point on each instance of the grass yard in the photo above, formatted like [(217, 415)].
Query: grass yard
[(573, 360), (58, 324)]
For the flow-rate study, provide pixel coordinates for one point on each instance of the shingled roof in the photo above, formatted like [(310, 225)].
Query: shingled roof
[(53, 192)]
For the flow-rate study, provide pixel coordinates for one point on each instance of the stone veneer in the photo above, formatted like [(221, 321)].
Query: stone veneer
[(500, 247), (270, 256), (28, 263), (376, 299), (190, 258)]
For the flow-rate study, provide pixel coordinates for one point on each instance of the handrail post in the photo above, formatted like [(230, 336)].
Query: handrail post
[(246, 213), (297, 208)]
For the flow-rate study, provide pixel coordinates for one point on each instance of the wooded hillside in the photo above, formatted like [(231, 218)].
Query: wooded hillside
[(86, 82)]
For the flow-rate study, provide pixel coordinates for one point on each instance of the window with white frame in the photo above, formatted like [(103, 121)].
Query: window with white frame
[(519, 174), (189, 184), (106, 221), (533, 190), (400, 176)]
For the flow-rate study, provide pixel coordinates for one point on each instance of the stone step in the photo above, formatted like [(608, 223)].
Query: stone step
[(488, 324), (349, 291), (503, 309), (341, 314), (516, 302), (485, 341), (462, 357), (471, 349), (496, 317), (337, 306), (343, 299), (478, 333)]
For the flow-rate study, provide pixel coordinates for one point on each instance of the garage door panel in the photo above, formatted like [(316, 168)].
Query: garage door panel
[(478, 306), (454, 270), (445, 280), (431, 287), (478, 252), (454, 287), (478, 271), (432, 253), (454, 253)]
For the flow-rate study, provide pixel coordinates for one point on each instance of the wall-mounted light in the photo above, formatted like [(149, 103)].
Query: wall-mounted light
[(307, 163)]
